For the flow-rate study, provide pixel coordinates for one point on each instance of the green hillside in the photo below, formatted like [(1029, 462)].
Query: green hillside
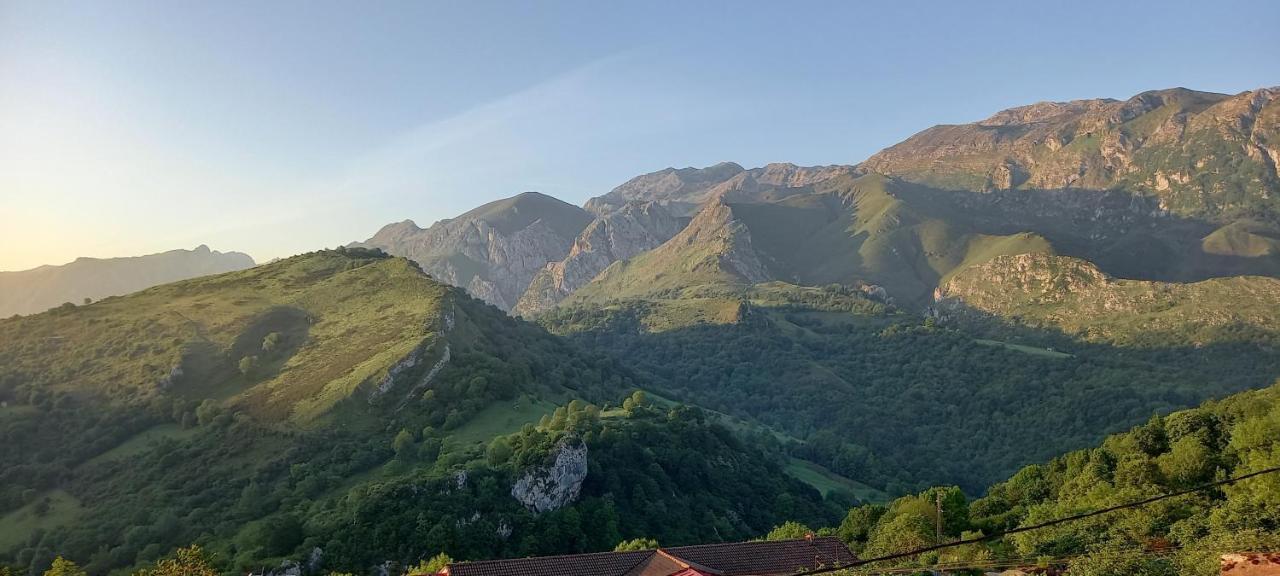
[(898, 401), (850, 231), (334, 322), (666, 474), (286, 383), (267, 413), (1183, 536)]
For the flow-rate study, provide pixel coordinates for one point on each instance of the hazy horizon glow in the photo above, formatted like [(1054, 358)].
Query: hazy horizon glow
[(137, 127)]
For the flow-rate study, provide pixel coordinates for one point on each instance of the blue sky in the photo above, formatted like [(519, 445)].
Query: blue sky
[(280, 127)]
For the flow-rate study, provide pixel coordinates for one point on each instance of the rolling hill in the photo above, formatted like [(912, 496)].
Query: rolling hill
[(276, 412)]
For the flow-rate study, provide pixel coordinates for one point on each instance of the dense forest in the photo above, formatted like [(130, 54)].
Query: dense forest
[(145, 434), (901, 402), (672, 476), (666, 474), (1180, 536), (261, 497)]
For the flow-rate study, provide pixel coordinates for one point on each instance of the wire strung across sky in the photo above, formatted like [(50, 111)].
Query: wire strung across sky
[(1063, 520)]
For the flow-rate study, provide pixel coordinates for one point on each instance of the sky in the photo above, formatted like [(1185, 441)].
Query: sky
[(275, 128)]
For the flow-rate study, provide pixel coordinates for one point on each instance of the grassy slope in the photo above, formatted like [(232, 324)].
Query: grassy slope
[(827, 481), (90, 401), (853, 230), (18, 525), (500, 419), (811, 473), (344, 320), (143, 441)]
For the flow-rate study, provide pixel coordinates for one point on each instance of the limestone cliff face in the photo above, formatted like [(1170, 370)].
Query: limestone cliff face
[(1199, 153), (684, 190), (1072, 295), (527, 253), (493, 251), (680, 188), (626, 232), (552, 487), (715, 249)]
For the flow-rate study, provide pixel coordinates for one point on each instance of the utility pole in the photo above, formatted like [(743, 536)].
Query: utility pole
[(938, 504)]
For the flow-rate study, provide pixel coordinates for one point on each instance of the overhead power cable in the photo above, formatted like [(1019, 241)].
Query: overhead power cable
[(1054, 522)]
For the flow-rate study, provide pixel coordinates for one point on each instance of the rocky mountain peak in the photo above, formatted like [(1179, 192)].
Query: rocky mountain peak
[(1201, 154), (622, 234), (492, 251), (670, 185), (1043, 111)]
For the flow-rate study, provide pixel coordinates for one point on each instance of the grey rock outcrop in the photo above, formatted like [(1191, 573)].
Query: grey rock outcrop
[(683, 190), (554, 486), (1173, 145), (492, 251), (678, 187), (635, 228)]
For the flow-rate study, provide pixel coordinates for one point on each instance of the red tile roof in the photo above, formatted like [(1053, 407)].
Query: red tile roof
[(776, 558), (763, 558)]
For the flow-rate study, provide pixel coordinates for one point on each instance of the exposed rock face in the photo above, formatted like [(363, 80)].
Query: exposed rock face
[(548, 488), (397, 373), (682, 186), (635, 228), (716, 248), (1072, 295), (1199, 153), (684, 190), (717, 226), (38, 289), (493, 251)]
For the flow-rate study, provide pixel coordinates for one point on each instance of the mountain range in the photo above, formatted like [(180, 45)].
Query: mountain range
[(39, 289), (1107, 181), (989, 325)]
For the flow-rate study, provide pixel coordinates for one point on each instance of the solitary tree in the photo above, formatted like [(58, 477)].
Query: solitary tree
[(248, 365), (499, 451), (271, 342), (403, 444)]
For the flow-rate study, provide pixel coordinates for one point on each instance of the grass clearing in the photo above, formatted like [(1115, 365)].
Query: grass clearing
[(17, 526), (7, 411), (141, 441), (502, 417), (1024, 349), (827, 481)]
